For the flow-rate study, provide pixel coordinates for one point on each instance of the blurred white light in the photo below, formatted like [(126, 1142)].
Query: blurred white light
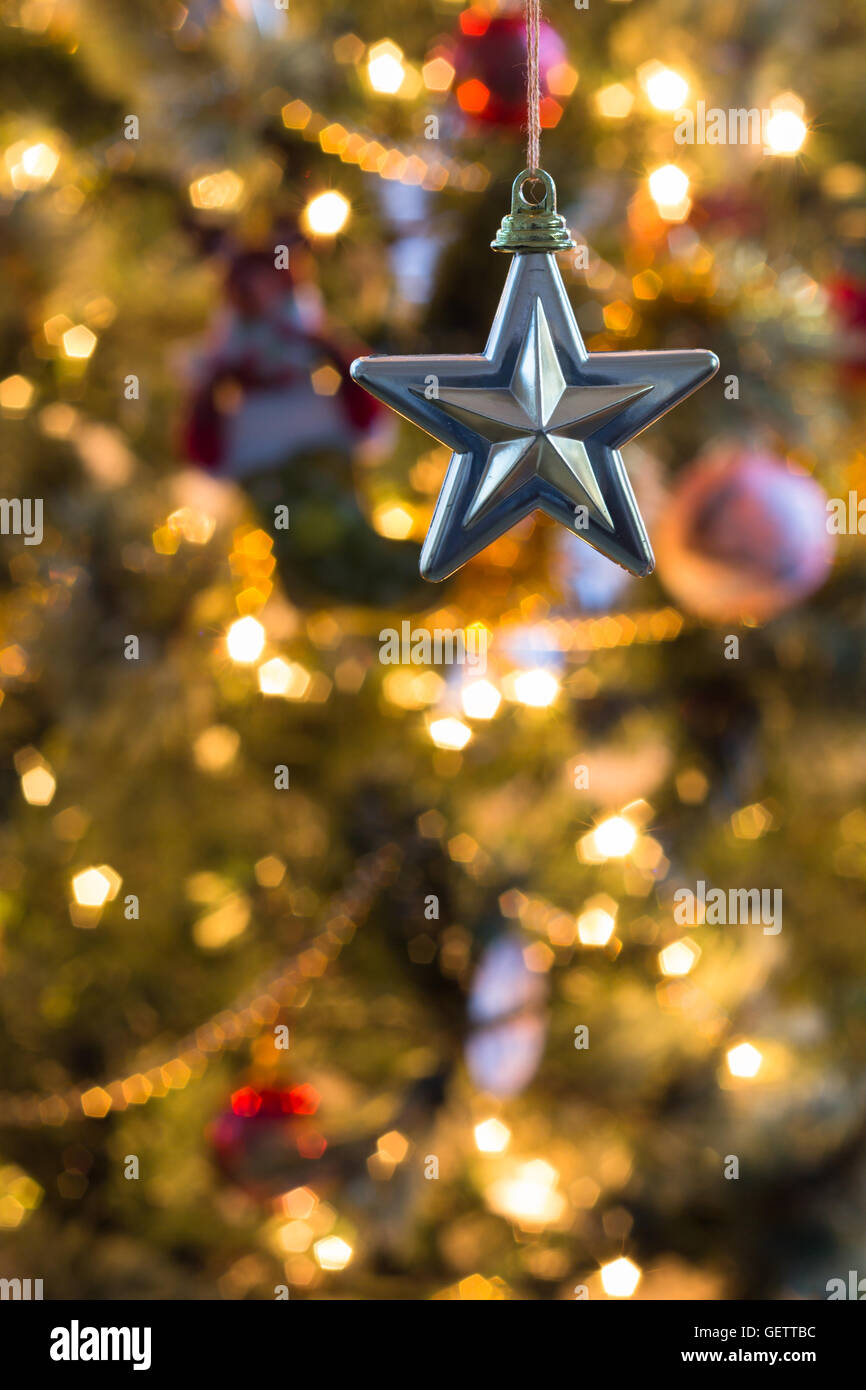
[(244, 640), (285, 678), (327, 213), (666, 89), (529, 1196), (669, 186), (450, 733), (492, 1137), (536, 688), (678, 958), (480, 699), (615, 837), (595, 926), (38, 785), (744, 1060), (786, 132), (385, 67), (620, 1278), (332, 1253)]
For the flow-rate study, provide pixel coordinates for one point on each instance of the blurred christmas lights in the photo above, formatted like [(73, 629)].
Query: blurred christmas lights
[(743, 1060), (389, 162), (614, 837), (528, 1196), (332, 1253), (94, 887), (16, 395), (492, 1137), (480, 699), (620, 1278), (38, 786), (245, 1018), (596, 923), (79, 342), (286, 679), (438, 74), (786, 130), (327, 214), (538, 688), (385, 68), (38, 783), (394, 520), (614, 102), (217, 192), (30, 165), (666, 89), (678, 958), (669, 188), (245, 640), (450, 733)]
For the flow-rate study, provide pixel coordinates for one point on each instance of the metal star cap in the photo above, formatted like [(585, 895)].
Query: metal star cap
[(533, 226), (535, 422)]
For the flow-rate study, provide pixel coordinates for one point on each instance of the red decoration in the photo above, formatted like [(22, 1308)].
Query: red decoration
[(274, 383), (262, 1134), (848, 301), (743, 536), (274, 409), (490, 66)]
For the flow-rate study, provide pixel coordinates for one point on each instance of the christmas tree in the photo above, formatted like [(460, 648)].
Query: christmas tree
[(376, 939)]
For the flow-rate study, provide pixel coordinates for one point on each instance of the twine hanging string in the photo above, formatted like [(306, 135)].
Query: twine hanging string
[(533, 86)]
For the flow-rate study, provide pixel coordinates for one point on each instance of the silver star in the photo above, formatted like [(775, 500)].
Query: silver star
[(535, 422)]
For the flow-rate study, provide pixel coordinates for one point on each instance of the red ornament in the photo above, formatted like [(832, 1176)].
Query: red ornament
[(263, 1133), (848, 302), (848, 297), (490, 67), (743, 536)]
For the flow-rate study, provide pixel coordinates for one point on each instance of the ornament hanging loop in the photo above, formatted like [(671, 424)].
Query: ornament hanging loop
[(533, 226)]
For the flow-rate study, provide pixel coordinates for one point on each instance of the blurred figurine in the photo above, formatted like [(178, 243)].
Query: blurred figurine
[(274, 408)]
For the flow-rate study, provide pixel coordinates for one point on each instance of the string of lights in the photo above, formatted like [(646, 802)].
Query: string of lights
[(242, 1020), (390, 162)]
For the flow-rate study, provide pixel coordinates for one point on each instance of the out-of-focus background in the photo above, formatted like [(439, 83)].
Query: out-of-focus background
[(360, 980)]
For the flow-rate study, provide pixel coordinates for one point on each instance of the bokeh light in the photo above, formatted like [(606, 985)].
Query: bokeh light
[(480, 699), (327, 213), (666, 89), (450, 733), (492, 1137), (332, 1253), (615, 837), (245, 640), (620, 1278), (744, 1060), (385, 67), (669, 187)]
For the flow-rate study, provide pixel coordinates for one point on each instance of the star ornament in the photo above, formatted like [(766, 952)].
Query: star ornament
[(535, 422)]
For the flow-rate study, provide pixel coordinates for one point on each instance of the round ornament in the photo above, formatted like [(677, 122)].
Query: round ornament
[(490, 66), (263, 1132), (744, 536)]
